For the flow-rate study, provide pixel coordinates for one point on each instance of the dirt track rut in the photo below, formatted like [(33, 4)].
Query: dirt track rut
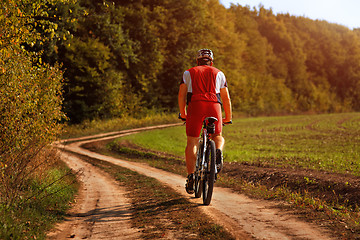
[(246, 218)]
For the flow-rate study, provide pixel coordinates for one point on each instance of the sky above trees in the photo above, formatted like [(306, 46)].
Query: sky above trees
[(344, 12)]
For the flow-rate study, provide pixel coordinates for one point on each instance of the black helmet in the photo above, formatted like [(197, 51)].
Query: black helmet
[(205, 53)]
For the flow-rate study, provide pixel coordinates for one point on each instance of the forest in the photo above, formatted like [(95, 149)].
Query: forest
[(125, 57), (121, 58)]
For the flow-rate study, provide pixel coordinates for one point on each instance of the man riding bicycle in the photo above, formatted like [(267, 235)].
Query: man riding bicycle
[(202, 88)]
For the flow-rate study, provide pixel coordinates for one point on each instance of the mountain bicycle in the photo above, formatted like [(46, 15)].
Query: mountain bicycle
[(206, 171), (205, 163)]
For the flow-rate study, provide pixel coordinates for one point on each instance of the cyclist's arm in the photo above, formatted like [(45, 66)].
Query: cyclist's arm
[(225, 97), (182, 99)]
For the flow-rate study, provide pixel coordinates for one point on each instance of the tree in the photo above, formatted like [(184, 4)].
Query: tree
[(97, 63)]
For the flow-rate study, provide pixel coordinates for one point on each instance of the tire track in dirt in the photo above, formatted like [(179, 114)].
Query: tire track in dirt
[(246, 218), (102, 210)]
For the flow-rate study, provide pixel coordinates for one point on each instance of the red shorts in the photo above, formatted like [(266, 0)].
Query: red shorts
[(196, 113)]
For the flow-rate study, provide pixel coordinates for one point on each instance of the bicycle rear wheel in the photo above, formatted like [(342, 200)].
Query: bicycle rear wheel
[(198, 186), (198, 181), (209, 178)]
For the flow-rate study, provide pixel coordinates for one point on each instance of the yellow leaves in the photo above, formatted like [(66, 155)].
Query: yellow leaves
[(2, 168), (19, 12)]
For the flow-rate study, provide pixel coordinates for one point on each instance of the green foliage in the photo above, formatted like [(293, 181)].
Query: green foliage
[(30, 95), (123, 56), (96, 61), (129, 55)]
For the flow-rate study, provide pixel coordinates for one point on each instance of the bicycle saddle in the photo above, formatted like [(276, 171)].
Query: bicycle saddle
[(211, 119)]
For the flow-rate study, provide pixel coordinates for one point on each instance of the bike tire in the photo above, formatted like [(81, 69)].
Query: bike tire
[(198, 186), (198, 181), (209, 179)]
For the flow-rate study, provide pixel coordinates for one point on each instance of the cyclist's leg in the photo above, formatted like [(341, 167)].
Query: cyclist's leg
[(193, 129), (215, 110), (218, 138), (219, 141), (190, 156), (190, 153)]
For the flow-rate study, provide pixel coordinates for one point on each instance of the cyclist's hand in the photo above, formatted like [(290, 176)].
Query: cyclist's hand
[(226, 122), (183, 119)]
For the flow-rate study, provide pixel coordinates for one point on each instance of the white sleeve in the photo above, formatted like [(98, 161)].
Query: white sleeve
[(187, 80), (221, 80)]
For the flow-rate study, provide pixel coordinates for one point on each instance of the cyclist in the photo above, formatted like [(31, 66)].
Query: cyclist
[(202, 88)]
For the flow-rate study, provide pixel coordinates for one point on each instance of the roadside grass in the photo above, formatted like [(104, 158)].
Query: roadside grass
[(159, 211), (154, 159), (103, 126), (45, 201), (328, 142)]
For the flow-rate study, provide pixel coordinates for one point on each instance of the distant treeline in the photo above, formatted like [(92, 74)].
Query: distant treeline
[(124, 57)]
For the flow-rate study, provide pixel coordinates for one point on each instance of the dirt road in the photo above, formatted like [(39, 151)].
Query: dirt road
[(102, 210)]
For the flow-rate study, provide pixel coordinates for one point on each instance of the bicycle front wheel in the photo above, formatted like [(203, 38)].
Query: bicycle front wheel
[(209, 178)]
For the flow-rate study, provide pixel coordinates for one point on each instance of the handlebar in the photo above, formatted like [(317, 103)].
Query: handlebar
[(227, 123), (184, 119)]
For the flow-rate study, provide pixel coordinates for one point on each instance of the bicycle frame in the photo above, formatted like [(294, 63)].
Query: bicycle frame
[(205, 138), (205, 171)]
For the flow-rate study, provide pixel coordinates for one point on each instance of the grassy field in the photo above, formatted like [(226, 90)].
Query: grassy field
[(305, 161), (328, 142)]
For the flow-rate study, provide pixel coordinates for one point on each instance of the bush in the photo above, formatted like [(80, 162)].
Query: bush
[(30, 99)]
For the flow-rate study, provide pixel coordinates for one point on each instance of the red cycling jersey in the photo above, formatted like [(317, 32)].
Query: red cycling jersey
[(203, 97), (204, 83)]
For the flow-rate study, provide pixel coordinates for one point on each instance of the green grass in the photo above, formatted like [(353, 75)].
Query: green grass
[(108, 125), (44, 202), (328, 142), (170, 140)]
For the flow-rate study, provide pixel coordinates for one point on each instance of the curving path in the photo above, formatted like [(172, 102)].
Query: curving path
[(102, 207)]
